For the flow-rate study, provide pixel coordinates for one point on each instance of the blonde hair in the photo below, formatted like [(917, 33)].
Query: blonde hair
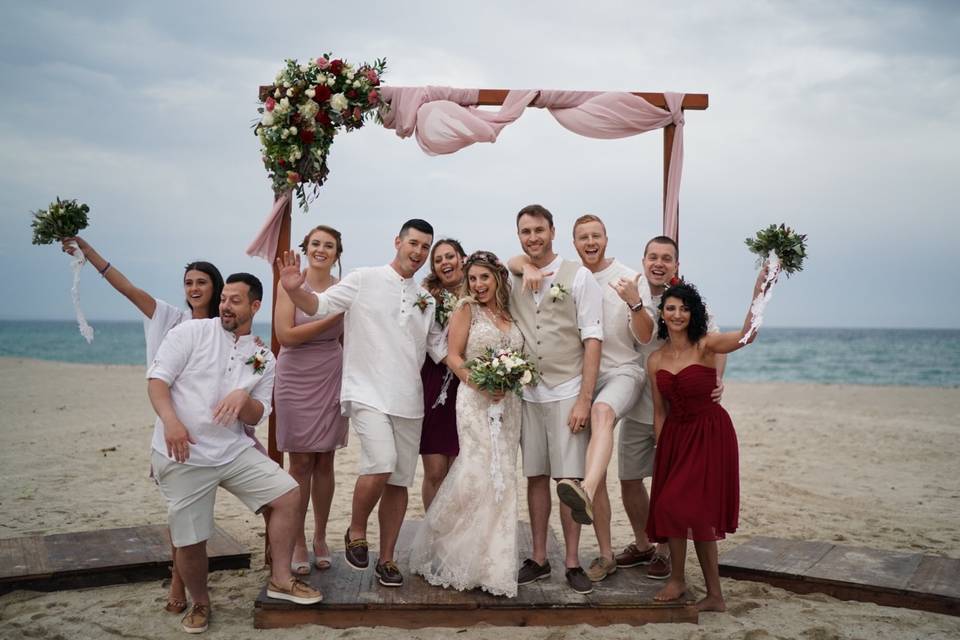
[(488, 260)]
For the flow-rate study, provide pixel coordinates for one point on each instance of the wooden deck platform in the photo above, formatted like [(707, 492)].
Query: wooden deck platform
[(107, 556), (355, 599), (893, 579)]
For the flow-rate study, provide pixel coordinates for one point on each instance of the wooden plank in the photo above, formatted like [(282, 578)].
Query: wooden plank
[(869, 567), (418, 604), (887, 578), (106, 556), (938, 576)]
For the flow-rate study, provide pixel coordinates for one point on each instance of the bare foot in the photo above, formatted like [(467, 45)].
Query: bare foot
[(673, 590), (300, 561), (711, 603)]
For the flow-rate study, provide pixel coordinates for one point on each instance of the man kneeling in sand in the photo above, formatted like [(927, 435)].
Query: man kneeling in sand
[(208, 379)]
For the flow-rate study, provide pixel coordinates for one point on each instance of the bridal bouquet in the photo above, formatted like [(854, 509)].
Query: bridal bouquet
[(446, 305), (302, 111), (781, 250), (500, 370), (64, 219)]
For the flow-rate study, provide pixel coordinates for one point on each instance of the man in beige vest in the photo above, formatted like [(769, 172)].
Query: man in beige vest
[(561, 323)]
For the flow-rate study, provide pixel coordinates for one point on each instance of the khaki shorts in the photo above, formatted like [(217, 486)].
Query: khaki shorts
[(191, 490), (549, 447), (635, 450), (620, 390), (388, 444)]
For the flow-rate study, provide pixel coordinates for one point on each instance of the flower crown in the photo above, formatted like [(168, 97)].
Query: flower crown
[(486, 259)]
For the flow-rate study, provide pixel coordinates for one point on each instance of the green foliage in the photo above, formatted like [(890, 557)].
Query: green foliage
[(790, 246), (502, 370), (61, 219)]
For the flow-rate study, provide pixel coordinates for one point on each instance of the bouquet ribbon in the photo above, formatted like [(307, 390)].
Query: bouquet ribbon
[(495, 419), (760, 302), (75, 265)]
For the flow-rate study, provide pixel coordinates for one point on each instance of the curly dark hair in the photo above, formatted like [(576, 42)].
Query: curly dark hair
[(432, 282), (690, 297)]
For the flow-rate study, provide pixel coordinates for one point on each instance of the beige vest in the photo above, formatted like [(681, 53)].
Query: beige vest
[(550, 331)]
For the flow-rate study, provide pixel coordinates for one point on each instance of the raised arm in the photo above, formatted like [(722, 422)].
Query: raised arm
[(290, 334), (729, 341), (336, 299), (140, 298), (641, 318), (532, 278)]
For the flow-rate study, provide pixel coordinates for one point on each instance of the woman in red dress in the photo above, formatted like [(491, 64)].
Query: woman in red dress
[(696, 479)]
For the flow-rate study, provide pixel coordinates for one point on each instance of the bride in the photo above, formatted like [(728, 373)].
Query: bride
[(468, 538)]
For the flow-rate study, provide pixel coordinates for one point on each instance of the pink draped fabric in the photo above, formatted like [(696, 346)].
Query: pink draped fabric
[(443, 122), (265, 244)]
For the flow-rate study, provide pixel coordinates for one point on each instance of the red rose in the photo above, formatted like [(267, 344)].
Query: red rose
[(322, 118), (322, 93), (373, 77), (674, 281), (306, 136), (270, 104), (293, 177), (373, 97), (352, 94), (336, 66), (282, 162)]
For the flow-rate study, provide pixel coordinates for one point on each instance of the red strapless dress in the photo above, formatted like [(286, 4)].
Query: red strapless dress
[(696, 475)]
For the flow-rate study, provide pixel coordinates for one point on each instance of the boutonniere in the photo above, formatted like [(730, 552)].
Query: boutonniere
[(258, 361), (558, 292), (422, 301)]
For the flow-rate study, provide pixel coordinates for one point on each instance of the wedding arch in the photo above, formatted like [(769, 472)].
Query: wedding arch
[(444, 120)]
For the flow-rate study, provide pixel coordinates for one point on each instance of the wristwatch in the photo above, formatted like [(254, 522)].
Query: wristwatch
[(635, 307)]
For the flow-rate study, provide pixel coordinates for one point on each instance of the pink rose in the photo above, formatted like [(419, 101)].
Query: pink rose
[(373, 77), (373, 97), (357, 114), (270, 104), (323, 63)]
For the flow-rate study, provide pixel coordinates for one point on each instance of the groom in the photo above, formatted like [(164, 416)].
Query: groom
[(389, 327), (561, 324)]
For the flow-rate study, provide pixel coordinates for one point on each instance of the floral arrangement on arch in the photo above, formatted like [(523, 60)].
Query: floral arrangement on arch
[(307, 105)]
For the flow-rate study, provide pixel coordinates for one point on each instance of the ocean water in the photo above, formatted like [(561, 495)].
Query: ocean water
[(913, 357)]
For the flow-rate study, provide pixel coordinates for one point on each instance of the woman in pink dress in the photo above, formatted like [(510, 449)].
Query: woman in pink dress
[(306, 395), (696, 477), (439, 444)]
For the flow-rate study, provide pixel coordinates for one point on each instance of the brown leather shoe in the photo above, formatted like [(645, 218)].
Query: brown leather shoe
[(197, 619), (356, 552), (659, 568), (631, 556), (295, 591), (600, 568)]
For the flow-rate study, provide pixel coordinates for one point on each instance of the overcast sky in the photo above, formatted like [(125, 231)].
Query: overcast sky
[(840, 118)]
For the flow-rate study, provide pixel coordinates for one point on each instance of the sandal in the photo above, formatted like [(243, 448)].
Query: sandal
[(300, 568), (175, 606), (322, 563)]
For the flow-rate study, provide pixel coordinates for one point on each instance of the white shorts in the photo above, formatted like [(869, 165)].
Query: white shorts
[(549, 447), (191, 490), (388, 444), (635, 450), (619, 389)]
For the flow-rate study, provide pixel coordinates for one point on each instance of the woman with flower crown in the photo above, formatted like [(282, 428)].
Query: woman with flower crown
[(439, 444), (468, 538)]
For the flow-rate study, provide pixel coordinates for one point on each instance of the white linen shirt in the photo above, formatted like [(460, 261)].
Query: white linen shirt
[(619, 343), (385, 338), (202, 362), (588, 298)]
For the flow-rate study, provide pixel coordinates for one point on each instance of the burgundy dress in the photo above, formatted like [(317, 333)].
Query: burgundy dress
[(696, 476), (306, 392), (439, 434)]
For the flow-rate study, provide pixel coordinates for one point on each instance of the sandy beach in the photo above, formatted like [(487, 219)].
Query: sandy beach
[(872, 466)]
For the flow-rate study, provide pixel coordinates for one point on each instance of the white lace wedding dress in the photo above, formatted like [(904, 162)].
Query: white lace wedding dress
[(468, 538)]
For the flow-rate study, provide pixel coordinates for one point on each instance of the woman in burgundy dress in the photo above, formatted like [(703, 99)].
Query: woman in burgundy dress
[(306, 394), (696, 478), (439, 443)]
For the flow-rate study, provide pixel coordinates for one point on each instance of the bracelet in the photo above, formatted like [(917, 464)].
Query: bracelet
[(635, 307), (104, 270)]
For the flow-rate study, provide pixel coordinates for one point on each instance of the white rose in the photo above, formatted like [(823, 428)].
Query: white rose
[(290, 92), (310, 93), (284, 134), (267, 119), (526, 378), (287, 85), (309, 109), (339, 101), (277, 94), (350, 75), (330, 81), (293, 131), (304, 67)]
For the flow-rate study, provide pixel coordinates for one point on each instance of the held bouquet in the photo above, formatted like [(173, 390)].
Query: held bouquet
[(781, 250), (64, 219), (446, 305), (302, 111), (502, 370)]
